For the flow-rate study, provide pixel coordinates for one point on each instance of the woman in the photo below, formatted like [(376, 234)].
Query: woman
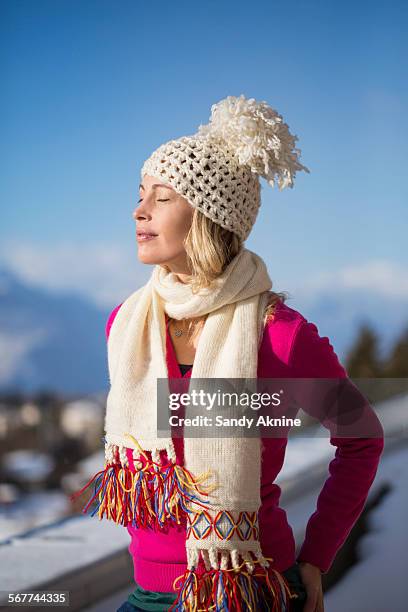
[(208, 311)]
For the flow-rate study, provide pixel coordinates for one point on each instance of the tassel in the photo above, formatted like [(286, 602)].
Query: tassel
[(233, 590), (152, 497)]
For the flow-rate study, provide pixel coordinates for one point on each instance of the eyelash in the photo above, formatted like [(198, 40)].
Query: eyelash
[(161, 200)]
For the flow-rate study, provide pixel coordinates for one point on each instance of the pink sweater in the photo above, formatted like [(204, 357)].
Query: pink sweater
[(291, 348)]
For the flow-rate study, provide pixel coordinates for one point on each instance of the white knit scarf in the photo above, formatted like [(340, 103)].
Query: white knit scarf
[(223, 528)]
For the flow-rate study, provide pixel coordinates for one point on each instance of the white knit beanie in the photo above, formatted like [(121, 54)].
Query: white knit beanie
[(217, 169)]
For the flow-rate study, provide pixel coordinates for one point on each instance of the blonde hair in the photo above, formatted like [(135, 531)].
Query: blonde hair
[(210, 248)]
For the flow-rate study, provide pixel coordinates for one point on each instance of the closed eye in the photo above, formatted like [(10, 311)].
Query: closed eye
[(161, 200)]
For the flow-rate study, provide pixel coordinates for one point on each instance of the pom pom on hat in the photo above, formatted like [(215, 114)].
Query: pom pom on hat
[(257, 136)]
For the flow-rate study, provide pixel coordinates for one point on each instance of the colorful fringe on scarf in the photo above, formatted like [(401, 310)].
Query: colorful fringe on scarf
[(150, 497), (233, 590)]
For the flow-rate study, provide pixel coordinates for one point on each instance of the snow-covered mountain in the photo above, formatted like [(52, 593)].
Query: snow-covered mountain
[(54, 341)]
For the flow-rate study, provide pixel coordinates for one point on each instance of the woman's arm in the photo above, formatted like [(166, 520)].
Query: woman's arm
[(352, 470)]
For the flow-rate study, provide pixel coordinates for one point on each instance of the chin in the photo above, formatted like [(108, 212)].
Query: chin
[(147, 259)]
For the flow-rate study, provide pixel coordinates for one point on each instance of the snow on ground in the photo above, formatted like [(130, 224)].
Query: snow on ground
[(379, 582), (32, 510), (63, 547), (304, 453)]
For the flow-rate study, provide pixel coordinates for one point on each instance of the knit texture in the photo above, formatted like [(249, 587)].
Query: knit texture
[(218, 487), (217, 169)]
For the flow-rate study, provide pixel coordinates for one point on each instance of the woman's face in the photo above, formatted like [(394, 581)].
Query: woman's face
[(163, 212)]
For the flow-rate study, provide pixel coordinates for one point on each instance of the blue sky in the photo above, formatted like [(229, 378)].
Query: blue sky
[(91, 88)]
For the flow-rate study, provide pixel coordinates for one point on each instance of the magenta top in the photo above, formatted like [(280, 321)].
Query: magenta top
[(291, 347)]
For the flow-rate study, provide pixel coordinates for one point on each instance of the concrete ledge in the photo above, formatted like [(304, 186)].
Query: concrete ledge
[(80, 554), (91, 584)]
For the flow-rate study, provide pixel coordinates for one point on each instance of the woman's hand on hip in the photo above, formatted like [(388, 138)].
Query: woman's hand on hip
[(312, 579)]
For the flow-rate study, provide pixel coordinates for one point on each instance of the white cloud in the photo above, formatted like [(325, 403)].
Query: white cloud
[(105, 273), (108, 273), (381, 276)]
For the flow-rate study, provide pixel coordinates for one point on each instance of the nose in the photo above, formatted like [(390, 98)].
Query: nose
[(141, 212)]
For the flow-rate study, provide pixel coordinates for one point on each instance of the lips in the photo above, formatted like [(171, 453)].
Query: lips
[(142, 236)]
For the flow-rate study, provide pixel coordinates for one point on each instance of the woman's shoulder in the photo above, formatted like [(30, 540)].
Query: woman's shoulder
[(281, 318), (281, 326), (297, 342)]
